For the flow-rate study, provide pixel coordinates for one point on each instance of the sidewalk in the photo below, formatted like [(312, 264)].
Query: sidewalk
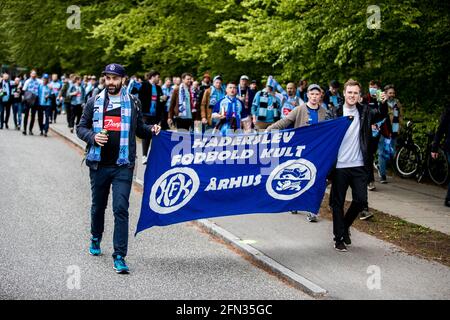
[(306, 249)]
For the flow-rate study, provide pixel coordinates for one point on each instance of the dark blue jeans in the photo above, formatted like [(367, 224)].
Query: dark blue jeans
[(48, 117), (120, 178)]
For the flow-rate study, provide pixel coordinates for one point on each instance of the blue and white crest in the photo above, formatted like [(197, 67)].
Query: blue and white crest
[(173, 190), (291, 179)]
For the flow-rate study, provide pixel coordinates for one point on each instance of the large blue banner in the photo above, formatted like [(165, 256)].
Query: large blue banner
[(190, 177)]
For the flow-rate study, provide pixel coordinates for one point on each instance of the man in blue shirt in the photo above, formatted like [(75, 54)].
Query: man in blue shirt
[(31, 92), (45, 105), (55, 86), (76, 91), (167, 90)]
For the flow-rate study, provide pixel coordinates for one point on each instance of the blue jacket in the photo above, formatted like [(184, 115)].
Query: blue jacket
[(44, 91), (272, 107), (137, 128)]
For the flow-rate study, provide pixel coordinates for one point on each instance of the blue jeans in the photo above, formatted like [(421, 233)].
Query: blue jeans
[(382, 162), (17, 113), (48, 117), (120, 178)]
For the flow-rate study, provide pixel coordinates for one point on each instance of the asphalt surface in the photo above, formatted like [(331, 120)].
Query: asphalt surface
[(45, 202)]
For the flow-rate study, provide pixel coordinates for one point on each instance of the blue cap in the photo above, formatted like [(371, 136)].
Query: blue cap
[(115, 69), (45, 76)]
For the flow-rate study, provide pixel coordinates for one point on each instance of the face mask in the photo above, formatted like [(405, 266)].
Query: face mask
[(373, 91)]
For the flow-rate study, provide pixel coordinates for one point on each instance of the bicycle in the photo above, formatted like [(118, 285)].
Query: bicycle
[(410, 161)]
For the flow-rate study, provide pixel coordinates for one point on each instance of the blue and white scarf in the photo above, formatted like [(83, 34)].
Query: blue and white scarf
[(125, 114), (233, 111), (276, 86), (215, 96), (185, 102)]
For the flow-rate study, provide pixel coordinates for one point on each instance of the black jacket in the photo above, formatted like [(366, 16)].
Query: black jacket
[(366, 117), (145, 96), (137, 128), (443, 129)]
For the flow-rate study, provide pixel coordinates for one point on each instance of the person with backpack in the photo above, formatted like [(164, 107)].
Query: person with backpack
[(5, 100), (30, 100), (16, 91), (111, 158)]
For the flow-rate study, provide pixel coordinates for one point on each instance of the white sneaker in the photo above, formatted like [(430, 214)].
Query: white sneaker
[(311, 217), (144, 160), (371, 186)]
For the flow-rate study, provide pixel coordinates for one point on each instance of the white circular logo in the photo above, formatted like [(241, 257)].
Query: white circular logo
[(173, 190), (112, 67), (291, 179)]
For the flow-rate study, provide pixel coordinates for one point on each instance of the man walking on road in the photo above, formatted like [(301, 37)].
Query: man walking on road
[(109, 125), (352, 165), (150, 95), (31, 93)]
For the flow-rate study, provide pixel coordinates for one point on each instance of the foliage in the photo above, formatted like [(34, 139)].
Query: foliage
[(292, 39)]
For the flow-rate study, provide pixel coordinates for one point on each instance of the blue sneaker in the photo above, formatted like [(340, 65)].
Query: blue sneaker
[(120, 266), (94, 249)]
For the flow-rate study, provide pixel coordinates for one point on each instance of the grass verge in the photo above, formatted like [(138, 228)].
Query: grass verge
[(412, 238)]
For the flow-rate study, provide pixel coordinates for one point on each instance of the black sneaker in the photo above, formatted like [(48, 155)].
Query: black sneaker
[(347, 240), (383, 180), (294, 212), (31, 133), (24, 133), (365, 214), (340, 246)]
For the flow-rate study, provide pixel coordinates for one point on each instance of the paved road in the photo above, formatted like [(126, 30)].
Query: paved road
[(44, 236)]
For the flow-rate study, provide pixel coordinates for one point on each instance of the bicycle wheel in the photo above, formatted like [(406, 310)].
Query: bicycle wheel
[(407, 161), (438, 168)]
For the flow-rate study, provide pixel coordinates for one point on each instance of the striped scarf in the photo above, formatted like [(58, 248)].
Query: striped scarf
[(125, 114), (185, 100)]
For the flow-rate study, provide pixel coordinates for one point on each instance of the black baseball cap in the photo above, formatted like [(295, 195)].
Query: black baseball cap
[(115, 69)]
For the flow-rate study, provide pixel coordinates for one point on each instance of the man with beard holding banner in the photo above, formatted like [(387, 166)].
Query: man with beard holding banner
[(109, 125)]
